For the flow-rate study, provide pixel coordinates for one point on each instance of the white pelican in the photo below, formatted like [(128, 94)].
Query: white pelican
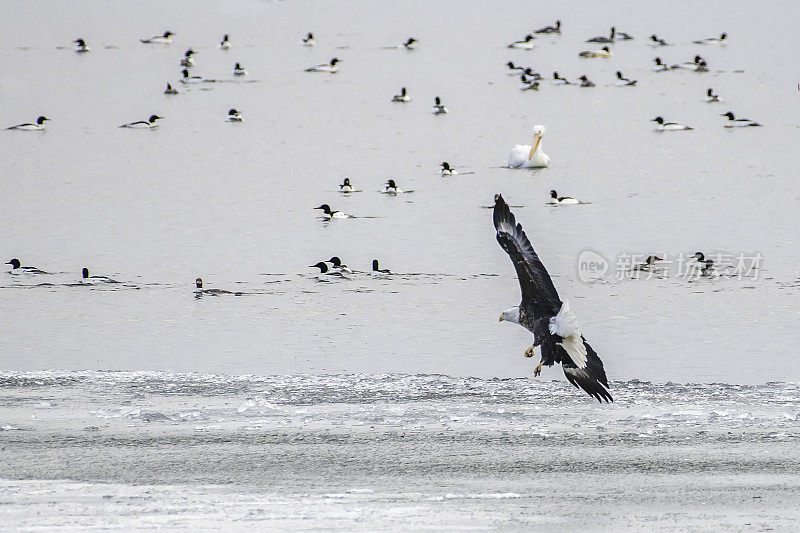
[(30, 127), (150, 123), (159, 39), (734, 122), (234, 115), (326, 67), (530, 156), (603, 52), (525, 44), (561, 200), (669, 126), (550, 29), (80, 46), (715, 40)]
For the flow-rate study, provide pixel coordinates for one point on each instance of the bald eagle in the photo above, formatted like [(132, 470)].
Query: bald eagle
[(554, 326)]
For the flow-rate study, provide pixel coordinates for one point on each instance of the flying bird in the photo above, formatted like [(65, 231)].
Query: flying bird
[(555, 328)]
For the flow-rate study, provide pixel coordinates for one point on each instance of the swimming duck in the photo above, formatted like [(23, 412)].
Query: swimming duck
[(225, 43), (604, 52), (166, 38), (326, 67), (550, 29), (234, 115), (239, 70), (438, 107), (622, 81), (27, 126), (734, 122), (524, 44), (328, 213), (17, 268), (309, 40), (91, 280), (345, 186), (561, 200), (80, 46), (391, 188), (585, 82), (402, 97), (170, 90), (447, 170), (150, 123), (669, 126)]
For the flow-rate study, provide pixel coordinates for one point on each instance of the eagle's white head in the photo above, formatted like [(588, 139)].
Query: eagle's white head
[(510, 315)]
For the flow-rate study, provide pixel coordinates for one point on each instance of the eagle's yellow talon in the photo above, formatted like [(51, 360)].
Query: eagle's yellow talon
[(529, 352), (537, 370)]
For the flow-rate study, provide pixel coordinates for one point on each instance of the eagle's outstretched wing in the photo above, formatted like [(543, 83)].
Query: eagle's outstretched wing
[(538, 291), (592, 379)]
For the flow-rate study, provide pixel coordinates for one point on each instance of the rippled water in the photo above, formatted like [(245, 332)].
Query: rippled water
[(298, 403)]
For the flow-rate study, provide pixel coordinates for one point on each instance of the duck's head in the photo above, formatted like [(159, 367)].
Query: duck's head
[(654, 37), (652, 259), (728, 114), (325, 208), (612, 32), (41, 120), (698, 59), (606, 49), (558, 24), (189, 53), (346, 181), (555, 75), (391, 184), (153, 118), (321, 266), (657, 61), (168, 34), (699, 256), (402, 91), (710, 92), (80, 42), (445, 165), (410, 41), (335, 261), (310, 36), (185, 73), (437, 101), (619, 75), (657, 119), (198, 283), (232, 111), (334, 61), (528, 38), (85, 273), (14, 263), (723, 36), (553, 194), (510, 65), (225, 38), (237, 66), (375, 265)]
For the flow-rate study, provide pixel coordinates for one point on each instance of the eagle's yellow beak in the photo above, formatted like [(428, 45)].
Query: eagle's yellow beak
[(501, 318)]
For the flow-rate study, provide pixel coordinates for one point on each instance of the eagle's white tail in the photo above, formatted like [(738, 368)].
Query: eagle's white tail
[(565, 325)]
